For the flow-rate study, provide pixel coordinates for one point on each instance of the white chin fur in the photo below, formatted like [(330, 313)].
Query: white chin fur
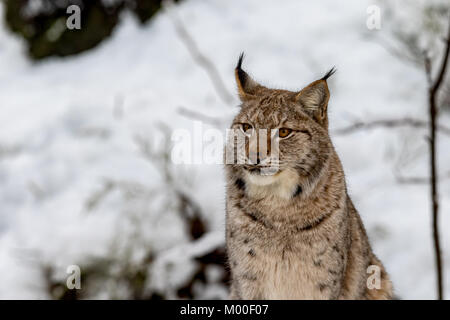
[(283, 184), (261, 180)]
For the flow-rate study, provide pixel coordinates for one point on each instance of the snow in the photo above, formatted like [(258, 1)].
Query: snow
[(69, 125)]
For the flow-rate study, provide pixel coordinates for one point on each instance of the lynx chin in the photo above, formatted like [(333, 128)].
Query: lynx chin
[(293, 234)]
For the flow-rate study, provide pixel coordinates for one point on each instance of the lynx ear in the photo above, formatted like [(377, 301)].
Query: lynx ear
[(314, 98), (247, 87)]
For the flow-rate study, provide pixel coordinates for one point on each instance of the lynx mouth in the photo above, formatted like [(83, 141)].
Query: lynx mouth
[(262, 170)]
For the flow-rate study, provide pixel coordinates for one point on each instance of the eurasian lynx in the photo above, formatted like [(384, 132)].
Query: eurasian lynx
[(294, 234)]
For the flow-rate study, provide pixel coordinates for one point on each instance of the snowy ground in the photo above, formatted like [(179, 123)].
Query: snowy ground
[(66, 125)]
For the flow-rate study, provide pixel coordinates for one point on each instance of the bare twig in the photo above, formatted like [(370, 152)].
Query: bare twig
[(215, 121), (187, 207), (401, 52), (444, 64), (427, 63), (198, 56), (98, 196), (412, 180), (419, 180), (388, 123), (432, 97)]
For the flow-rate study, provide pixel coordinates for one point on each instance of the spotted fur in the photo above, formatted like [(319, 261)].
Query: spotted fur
[(295, 234)]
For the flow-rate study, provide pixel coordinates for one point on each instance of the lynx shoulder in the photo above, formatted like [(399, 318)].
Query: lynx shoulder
[(292, 231)]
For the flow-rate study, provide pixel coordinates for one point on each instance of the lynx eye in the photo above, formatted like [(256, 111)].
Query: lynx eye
[(246, 127), (284, 132)]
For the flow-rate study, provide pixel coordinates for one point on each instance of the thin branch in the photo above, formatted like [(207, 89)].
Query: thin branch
[(419, 180), (428, 68), (433, 112), (215, 121), (401, 53), (203, 61), (444, 64), (388, 123), (187, 207)]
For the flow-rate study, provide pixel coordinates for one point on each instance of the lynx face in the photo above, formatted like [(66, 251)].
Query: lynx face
[(286, 133)]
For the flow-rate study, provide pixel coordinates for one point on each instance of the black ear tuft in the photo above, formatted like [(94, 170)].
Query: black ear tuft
[(241, 58), (241, 74), (247, 87), (329, 74)]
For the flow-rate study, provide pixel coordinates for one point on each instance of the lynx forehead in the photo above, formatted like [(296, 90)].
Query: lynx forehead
[(293, 234)]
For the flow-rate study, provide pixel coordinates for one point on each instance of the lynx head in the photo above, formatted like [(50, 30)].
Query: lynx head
[(295, 127)]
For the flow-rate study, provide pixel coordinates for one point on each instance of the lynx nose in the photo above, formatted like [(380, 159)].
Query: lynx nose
[(259, 147), (258, 157), (255, 157)]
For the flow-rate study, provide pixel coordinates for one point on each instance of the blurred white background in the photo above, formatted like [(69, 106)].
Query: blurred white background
[(77, 186)]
